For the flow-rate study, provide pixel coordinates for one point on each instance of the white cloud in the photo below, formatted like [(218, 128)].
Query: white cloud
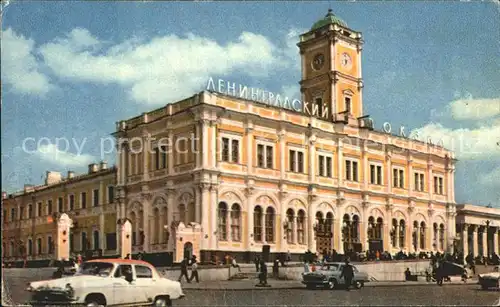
[(470, 108), (468, 144), (51, 154), (20, 68), (164, 68), (492, 178)]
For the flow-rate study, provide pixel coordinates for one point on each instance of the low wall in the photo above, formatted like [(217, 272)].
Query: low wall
[(379, 271)]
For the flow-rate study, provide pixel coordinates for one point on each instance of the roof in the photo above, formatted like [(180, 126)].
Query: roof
[(122, 261), (329, 18)]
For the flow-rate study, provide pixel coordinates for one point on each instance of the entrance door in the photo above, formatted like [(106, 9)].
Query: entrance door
[(188, 250)]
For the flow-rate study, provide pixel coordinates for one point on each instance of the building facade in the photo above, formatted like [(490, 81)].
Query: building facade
[(220, 173), (29, 230)]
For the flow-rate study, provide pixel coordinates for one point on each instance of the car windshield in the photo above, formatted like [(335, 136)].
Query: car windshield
[(102, 269)]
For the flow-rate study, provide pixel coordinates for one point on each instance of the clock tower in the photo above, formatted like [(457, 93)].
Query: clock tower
[(331, 84)]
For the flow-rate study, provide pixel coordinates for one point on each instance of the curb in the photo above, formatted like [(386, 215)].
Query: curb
[(302, 287)]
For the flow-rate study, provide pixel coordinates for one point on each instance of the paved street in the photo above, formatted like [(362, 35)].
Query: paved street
[(243, 293)]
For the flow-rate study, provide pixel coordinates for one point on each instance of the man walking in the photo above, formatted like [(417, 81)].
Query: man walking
[(194, 270), (184, 270), (348, 274)]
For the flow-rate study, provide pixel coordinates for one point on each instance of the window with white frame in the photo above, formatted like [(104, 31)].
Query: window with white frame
[(265, 155), (376, 173), (438, 185), (296, 161), (71, 201), (83, 200), (351, 170), (160, 153), (419, 181), (230, 149), (95, 197), (398, 178), (111, 194), (325, 163)]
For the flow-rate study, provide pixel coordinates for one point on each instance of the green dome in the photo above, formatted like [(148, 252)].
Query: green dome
[(330, 18)]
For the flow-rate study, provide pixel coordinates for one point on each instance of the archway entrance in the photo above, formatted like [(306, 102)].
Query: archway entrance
[(324, 232), (188, 250)]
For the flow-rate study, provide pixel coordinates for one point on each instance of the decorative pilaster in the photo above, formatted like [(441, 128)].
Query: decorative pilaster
[(411, 180), (465, 239), (213, 216), (340, 163), (430, 177), (388, 171), (485, 242), (207, 232), (312, 158), (475, 247), (282, 153), (495, 242), (249, 148), (146, 152), (365, 166)]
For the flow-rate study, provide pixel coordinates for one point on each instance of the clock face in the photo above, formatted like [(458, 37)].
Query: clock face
[(318, 61), (346, 60)]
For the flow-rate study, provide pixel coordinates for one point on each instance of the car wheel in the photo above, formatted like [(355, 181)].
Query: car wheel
[(162, 302), (331, 284), (359, 284), (92, 303)]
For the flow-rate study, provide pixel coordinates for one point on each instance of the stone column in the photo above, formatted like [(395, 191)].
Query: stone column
[(249, 209), (430, 178), (172, 204), (198, 152), (396, 236), (410, 175), (207, 232), (340, 162), (465, 240), (386, 236), (213, 216), (495, 241), (282, 153), (338, 241), (311, 238), (197, 205), (171, 154), (212, 149), (388, 172), (474, 241), (312, 159), (365, 167), (485, 242), (146, 152), (249, 148)]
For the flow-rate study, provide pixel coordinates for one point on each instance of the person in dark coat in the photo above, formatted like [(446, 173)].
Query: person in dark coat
[(439, 273), (60, 271), (263, 273), (184, 270), (347, 274), (257, 262), (194, 269)]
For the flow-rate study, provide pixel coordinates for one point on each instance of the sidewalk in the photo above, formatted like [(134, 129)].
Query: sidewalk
[(294, 284)]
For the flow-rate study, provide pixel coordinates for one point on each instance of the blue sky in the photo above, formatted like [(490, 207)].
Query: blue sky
[(72, 69)]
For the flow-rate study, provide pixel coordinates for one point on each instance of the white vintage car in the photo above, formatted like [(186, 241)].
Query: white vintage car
[(108, 282), (490, 280)]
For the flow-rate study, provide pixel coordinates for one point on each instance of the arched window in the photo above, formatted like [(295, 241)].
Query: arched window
[(329, 223), (164, 218), (394, 232), (257, 224), (39, 246), (422, 235), (289, 226), (355, 228), (415, 235), (379, 228), (96, 240), (402, 234), (222, 214), (235, 222), (301, 218), (30, 247), (371, 227), (441, 236), (134, 228), (155, 235), (269, 224), (435, 236)]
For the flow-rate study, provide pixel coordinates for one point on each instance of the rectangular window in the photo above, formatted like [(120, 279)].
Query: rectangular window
[(71, 202), (348, 104), (321, 165), (157, 158), (163, 153), (269, 156), (111, 194), (225, 149), (235, 151), (30, 211), (398, 178), (325, 166), (13, 214), (375, 174), (296, 161), (49, 207), (329, 166), (83, 200), (438, 185), (39, 209), (351, 170), (260, 155), (60, 204), (95, 197)]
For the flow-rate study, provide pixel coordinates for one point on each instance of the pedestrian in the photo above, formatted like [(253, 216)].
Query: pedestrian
[(235, 264), (263, 273), (184, 271), (306, 267), (347, 274), (439, 273), (194, 270), (276, 268), (256, 261)]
